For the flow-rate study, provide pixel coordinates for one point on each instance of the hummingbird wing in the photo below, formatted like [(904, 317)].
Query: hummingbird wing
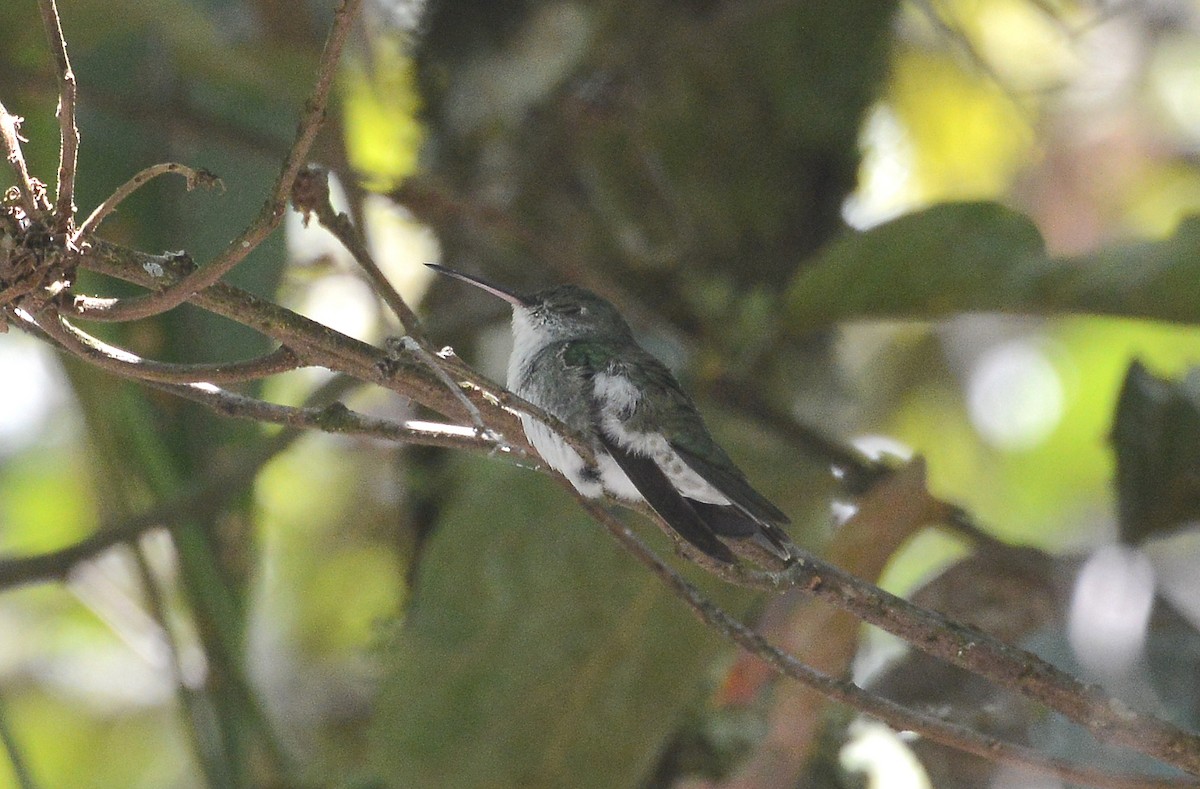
[(666, 407), (729, 479), (664, 499), (629, 414)]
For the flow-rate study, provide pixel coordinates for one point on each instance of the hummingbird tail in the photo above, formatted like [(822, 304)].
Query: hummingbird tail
[(728, 521)]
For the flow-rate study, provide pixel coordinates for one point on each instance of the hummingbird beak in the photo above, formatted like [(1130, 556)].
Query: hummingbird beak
[(482, 284)]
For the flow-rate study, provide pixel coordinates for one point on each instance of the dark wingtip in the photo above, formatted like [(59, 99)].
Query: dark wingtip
[(664, 499), (731, 522)]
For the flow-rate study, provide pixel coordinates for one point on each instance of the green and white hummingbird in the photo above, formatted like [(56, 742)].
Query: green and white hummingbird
[(575, 357)]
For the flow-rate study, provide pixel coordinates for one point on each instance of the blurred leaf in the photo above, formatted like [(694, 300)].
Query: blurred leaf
[(535, 653), (948, 258), (983, 257), (1156, 435), (383, 134)]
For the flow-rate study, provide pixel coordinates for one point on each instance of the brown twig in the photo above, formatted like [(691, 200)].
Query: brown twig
[(121, 362), (1107, 718), (332, 418), (337, 418), (30, 193), (310, 196), (272, 212), (195, 178), (846, 692), (857, 471), (64, 208)]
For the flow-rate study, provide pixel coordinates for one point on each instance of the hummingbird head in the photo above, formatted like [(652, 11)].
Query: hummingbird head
[(563, 312), (567, 312)]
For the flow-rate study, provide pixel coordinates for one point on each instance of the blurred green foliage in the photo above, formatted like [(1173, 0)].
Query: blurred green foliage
[(534, 652)]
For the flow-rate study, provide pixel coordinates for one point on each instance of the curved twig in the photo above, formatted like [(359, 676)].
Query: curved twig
[(319, 345), (337, 418), (194, 178), (272, 212), (212, 493), (122, 362)]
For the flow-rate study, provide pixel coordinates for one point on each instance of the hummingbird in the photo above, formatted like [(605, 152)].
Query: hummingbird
[(576, 358)]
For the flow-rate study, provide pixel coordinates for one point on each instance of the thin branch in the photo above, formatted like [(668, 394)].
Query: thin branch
[(129, 365), (195, 178), (310, 196), (435, 364), (272, 212), (64, 209), (30, 193), (314, 343), (857, 471), (212, 494), (332, 418), (955, 33), (846, 692), (337, 418), (1107, 718)]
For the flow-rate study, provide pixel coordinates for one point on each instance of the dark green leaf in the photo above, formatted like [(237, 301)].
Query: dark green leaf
[(535, 653), (983, 257), (1156, 435)]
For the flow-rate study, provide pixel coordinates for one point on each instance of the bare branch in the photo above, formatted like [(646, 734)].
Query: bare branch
[(1107, 718), (414, 346), (64, 208), (318, 345), (313, 343), (30, 193), (310, 196), (273, 210), (846, 692), (337, 418), (195, 178), (124, 363)]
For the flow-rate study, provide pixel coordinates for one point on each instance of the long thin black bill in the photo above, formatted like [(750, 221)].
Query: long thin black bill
[(482, 284)]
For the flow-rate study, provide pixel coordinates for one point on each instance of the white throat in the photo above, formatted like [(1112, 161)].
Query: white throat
[(527, 341)]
